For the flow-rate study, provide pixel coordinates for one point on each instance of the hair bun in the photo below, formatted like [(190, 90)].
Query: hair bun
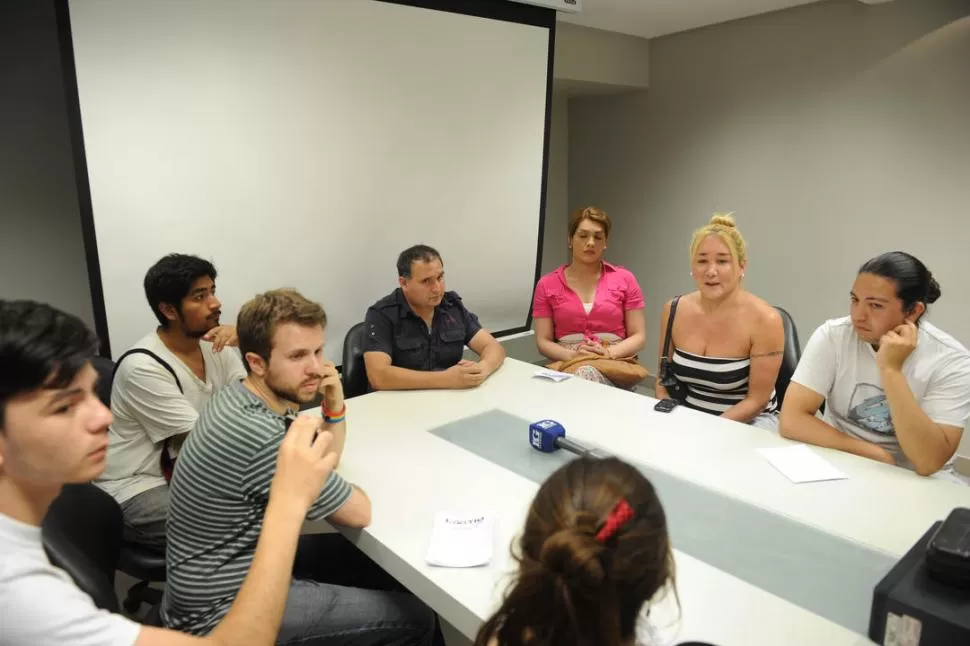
[(724, 220), (933, 293), (574, 556)]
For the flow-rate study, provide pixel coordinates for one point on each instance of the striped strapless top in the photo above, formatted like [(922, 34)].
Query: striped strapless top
[(714, 384)]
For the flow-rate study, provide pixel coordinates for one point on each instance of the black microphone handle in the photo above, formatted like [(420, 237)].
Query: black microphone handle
[(578, 448)]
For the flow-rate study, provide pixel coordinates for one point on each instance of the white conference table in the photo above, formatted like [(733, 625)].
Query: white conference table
[(411, 474)]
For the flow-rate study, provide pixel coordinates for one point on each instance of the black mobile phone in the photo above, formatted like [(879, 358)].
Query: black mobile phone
[(666, 405)]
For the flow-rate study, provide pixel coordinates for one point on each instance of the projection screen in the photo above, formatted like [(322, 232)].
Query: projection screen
[(305, 144)]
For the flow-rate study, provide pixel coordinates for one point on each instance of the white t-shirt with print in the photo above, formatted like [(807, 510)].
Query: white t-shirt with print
[(41, 606), (842, 367), (148, 408)]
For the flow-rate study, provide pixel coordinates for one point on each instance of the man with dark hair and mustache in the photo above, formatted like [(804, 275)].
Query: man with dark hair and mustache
[(160, 386)]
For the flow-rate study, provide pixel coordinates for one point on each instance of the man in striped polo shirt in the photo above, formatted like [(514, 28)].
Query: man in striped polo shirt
[(219, 495)]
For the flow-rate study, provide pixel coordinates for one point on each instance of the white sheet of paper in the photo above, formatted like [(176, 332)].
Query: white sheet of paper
[(461, 540), (800, 464), (554, 375)]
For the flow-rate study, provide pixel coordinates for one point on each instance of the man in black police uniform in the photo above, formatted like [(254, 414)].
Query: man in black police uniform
[(416, 335)]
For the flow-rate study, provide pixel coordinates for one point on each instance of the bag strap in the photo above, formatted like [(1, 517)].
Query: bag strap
[(157, 358), (166, 461), (670, 326)]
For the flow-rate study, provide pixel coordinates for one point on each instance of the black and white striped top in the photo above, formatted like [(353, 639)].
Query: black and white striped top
[(714, 384), (218, 498)]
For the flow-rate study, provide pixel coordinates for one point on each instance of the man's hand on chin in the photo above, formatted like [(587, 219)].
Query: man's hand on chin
[(332, 388)]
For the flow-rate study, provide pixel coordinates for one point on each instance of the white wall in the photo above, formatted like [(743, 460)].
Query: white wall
[(41, 251), (595, 59), (836, 131)]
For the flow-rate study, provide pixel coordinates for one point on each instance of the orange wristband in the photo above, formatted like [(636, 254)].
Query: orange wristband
[(327, 413)]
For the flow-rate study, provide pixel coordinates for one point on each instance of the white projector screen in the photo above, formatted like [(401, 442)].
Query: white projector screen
[(304, 144)]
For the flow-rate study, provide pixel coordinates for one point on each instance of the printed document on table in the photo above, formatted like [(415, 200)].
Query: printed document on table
[(461, 540)]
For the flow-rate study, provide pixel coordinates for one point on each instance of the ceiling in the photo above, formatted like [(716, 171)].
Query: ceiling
[(652, 18)]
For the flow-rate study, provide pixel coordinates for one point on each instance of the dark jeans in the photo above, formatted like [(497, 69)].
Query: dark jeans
[(339, 596)]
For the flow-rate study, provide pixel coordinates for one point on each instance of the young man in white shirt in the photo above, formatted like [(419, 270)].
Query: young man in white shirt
[(155, 404), (896, 388), (53, 431)]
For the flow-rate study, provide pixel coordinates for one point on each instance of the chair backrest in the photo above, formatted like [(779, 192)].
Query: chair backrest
[(106, 375), (354, 371), (793, 352), (82, 536)]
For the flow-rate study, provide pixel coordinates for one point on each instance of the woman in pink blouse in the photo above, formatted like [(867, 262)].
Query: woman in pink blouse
[(589, 306)]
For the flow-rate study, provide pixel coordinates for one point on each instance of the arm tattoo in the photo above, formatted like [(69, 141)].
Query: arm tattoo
[(767, 354)]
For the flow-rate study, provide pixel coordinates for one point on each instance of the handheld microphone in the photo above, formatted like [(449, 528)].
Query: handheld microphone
[(549, 435)]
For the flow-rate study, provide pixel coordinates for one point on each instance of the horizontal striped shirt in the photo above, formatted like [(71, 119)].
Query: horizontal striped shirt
[(218, 499), (714, 384)]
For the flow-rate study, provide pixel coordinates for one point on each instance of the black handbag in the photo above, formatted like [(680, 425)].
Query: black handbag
[(675, 388)]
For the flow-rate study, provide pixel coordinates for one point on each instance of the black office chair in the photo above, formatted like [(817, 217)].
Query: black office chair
[(106, 374), (793, 352), (145, 565), (135, 560), (82, 536), (354, 371)]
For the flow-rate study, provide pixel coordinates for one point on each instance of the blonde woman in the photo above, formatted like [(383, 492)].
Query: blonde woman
[(726, 344), (589, 307)]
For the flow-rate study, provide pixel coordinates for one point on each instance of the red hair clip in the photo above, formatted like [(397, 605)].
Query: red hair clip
[(618, 517)]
